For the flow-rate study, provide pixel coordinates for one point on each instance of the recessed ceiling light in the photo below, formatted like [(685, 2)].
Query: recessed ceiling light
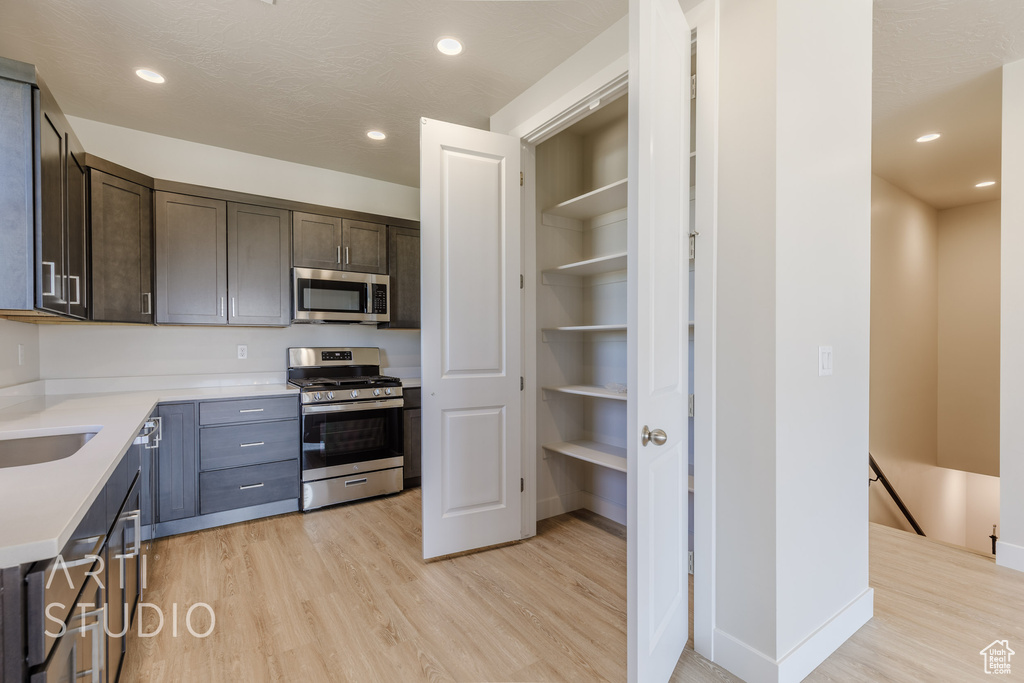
[(149, 75), (987, 183), (449, 46), (375, 135), (929, 137)]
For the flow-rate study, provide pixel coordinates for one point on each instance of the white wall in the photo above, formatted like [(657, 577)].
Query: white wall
[(190, 162), (793, 273), (12, 335), (1011, 334), (77, 351)]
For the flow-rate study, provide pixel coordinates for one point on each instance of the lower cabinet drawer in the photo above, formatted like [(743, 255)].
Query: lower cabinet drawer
[(241, 487), (248, 410), (240, 445)]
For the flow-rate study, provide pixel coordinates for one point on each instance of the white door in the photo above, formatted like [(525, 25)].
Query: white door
[(470, 338), (659, 113)]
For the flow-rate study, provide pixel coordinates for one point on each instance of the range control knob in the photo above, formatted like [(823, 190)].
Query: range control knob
[(316, 396), (387, 391), (376, 392), (330, 395), (355, 393)]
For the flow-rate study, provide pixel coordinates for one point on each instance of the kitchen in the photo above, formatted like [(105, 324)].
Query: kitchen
[(546, 362)]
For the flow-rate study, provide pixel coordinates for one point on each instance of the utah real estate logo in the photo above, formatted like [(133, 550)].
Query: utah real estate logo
[(997, 657)]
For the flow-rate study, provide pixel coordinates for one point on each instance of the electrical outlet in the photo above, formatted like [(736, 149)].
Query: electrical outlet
[(21, 354), (243, 352)]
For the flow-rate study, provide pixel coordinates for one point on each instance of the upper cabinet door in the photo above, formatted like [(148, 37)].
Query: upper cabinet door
[(404, 271), (658, 227), (259, 256), (471, 338), (364, 246), (51, 294), (317, 241), (122, 249), (191, 260)]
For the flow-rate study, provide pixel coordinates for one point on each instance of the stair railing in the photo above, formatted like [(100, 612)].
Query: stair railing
[(880, 476)]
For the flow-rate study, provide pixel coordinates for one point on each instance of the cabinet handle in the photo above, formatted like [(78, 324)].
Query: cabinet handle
[(247, 445), (251, 486), (233, 314), (78, 290), (136, 517), (251, 410), (53, 278), (222, 307), (147, 303), (346, 256), (339, 253), (355, 482)]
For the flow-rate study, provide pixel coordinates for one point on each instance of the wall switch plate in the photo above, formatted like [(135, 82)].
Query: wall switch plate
[(824, 361), (243, 352), (21, 354)]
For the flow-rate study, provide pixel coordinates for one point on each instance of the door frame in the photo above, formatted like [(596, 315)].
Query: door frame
[(704, 19)]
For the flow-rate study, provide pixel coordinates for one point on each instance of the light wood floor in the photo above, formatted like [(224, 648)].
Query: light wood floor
[(342, 595)]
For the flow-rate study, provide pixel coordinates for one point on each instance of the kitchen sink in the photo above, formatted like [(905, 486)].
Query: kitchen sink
[(38, 449)]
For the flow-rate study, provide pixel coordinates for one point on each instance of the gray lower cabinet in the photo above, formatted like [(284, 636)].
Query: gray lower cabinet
[(316, 241), (404, 271), (121, 226), (191, 259), (242, 487), (259, 260), (364, 246), (176, 462), (412, 469)]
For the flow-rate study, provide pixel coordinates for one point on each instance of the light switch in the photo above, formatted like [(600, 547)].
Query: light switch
[(824, 361)]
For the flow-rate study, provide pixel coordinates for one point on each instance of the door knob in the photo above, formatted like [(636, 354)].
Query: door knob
[(658, 436)]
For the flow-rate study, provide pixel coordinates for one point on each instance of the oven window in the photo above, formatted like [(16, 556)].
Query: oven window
[(345, 438), (329, 295), (354, 436)]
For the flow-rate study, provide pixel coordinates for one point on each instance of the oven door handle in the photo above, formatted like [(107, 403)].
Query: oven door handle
[(356, 406)]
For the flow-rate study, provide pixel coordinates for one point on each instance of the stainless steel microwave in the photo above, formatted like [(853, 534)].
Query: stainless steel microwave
[(340, 296)]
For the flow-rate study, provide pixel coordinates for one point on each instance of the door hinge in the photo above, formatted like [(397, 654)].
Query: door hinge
[(522, 384), (691, 562), (522, 282), (690, 404), (693, 246), (522, 179), (693, 87), (522, 485)]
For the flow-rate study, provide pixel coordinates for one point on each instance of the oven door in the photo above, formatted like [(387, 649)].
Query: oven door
[(332, 295), (349, 438)]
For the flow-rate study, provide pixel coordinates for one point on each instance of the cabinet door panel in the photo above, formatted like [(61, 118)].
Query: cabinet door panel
[(317, 241), (259, 255), (51, 260), (404, 271), (412, 468), (191, 258), (77, 282), (364, 246), (122, 249), (176, 463)]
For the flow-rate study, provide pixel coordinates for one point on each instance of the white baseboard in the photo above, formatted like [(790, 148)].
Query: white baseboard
[(558, 505), (754, 666), (1010, 555), (602, 506)]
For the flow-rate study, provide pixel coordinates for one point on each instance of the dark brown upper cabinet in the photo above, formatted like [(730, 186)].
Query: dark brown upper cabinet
[(404, 271), (61, 277), (191, 260), (317, 241), (122, 249), (364, 247), (259, 255)]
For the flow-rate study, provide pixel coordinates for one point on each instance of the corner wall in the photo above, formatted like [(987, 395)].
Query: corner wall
[(11, 335)]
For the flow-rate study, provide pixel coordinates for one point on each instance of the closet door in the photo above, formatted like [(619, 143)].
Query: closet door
[(657, 285), (471, 338)]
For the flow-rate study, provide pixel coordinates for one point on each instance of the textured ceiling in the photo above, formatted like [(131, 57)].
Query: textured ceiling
[(302, 80), (937, 67)]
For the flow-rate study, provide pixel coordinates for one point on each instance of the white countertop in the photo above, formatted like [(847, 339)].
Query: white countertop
[(41, 505)]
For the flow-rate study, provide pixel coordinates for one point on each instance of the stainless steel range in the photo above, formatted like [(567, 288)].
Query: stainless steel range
[(352, 428)]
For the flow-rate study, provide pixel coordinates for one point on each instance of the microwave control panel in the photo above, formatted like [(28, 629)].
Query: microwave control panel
[(380, 299)]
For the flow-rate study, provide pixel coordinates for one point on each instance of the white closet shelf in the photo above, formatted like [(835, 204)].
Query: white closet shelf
[(586, 390), (594, 266), (595, 203), (588, 328), (602, 454)]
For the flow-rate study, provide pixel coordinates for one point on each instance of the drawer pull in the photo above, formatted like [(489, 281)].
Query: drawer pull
[(251, 410), (251, 486), (355, 482), (254, 443)]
